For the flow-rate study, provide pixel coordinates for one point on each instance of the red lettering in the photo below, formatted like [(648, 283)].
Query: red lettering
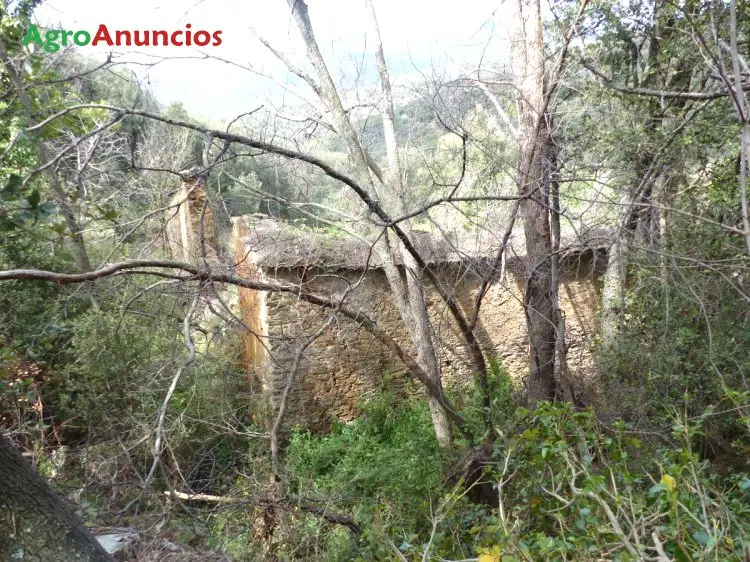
[(154, 38), (102, 34), (202, 38), (118, 38), (141, 42), (164, 37)]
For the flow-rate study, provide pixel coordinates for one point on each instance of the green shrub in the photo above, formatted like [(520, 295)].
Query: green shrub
[(385, 468), (388, 457), (572, 490), (504, 397), (686, 332)]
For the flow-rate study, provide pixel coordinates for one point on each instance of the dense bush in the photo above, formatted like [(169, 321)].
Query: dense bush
[(687, 328), (568, 488), (504, 395), (384, 468)]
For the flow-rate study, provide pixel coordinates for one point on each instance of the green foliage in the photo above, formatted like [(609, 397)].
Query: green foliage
[(34, 329), (388, 459), (121, 362), (33, 315), (384, 468), (504, 395), (683, 326), (573, 490), (20, 201), (127, 360), (567, 488)]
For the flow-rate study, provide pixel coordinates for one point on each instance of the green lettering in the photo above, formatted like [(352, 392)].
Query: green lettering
[(32, 36), (82, 38), (50, 44)]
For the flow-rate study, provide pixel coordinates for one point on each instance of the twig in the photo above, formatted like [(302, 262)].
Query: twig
[(287, 504), (615, 524), (176, 379)]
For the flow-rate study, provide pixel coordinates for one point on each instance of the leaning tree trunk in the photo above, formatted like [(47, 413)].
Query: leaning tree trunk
[(408, 294), (35, 524), (419, 327), (527, 55)]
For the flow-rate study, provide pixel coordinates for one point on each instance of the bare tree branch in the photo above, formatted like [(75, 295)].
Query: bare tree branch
[(135, 267)]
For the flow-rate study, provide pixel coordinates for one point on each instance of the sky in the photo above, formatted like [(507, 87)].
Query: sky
[(418, 35)]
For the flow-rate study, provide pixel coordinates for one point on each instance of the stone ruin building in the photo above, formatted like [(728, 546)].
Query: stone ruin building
[(187, 210), (346, 362)]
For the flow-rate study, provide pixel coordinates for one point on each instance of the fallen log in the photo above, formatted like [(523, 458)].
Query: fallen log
[(288, 505)]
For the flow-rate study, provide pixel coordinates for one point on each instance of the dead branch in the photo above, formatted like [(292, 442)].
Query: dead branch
[(192, 273), (287, 504)]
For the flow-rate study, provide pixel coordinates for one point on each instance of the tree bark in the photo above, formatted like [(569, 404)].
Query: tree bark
[(527, 53), (419, 327), (562, 372), (743, 112), (408, 294), (35, 524), (613, 287)]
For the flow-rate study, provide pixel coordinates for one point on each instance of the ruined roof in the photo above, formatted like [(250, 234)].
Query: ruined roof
[(275, 244)]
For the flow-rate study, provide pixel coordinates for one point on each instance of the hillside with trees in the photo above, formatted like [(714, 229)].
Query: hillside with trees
[(131, 427)]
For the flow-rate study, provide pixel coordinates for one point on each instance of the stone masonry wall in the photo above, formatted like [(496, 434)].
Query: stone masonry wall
[(346, 363), (184, 225)]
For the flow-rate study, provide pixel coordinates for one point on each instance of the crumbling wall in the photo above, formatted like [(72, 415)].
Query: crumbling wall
[(252, 312), (343, 364), (346, 362), (184, 224)]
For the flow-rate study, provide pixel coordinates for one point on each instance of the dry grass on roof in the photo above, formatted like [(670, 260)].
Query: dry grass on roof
[(276, 244)]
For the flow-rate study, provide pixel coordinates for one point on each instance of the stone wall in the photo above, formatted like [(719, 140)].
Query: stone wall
[(252, 312), (184, 224), (346, 363)]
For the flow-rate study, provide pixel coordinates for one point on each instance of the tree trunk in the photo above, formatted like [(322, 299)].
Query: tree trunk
[(562, 372), (639, 227), (613, 287), (80, 254), (742, 106), (408, 294), (35, 524), (527, 53), (419, 327), (422, 336), (539, 305)]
